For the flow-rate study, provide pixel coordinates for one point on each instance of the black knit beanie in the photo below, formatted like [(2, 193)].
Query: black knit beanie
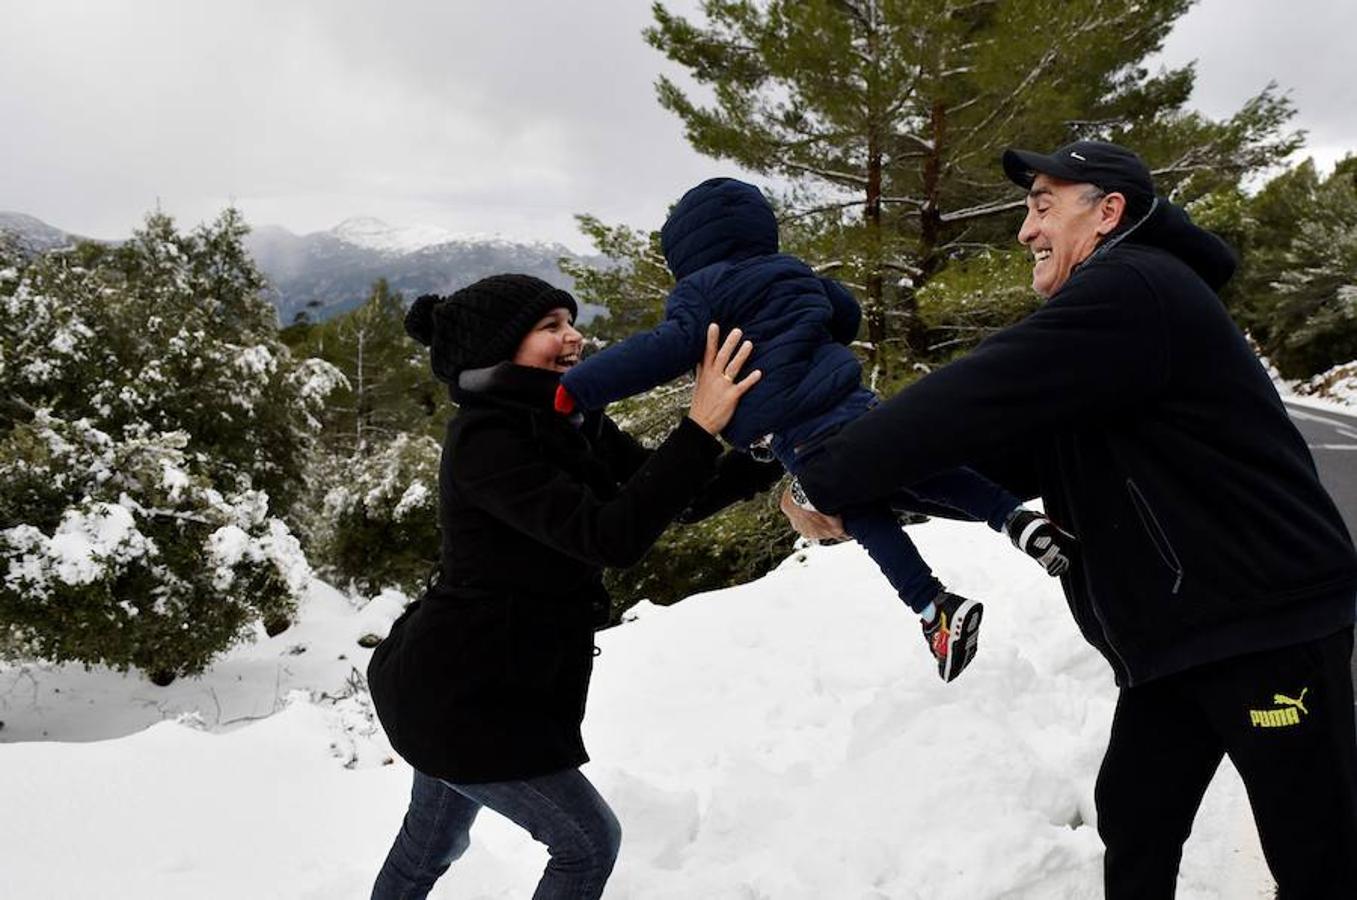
[(483, 323)]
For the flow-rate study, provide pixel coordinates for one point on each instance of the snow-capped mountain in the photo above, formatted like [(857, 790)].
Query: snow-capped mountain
[(374, 234), (319, 275), (34, 236), (324, 273)]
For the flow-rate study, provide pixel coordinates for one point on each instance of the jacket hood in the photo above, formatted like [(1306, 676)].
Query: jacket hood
[(1168, 228), (721, 219)]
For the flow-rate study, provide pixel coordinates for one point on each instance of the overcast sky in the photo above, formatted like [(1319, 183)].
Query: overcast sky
[(489, 117)]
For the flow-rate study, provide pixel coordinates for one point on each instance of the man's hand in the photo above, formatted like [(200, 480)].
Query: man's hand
[(1043, 540), (809, 523)]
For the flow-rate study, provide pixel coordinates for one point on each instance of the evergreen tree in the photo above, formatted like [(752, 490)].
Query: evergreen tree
[(153, 434), (379, 515), (388, 389), (633, 288), (887, 118), (1312, 325), (371, 517), (1293, 288)]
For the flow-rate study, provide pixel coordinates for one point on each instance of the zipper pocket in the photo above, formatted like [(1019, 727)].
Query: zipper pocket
[(1156, 533)]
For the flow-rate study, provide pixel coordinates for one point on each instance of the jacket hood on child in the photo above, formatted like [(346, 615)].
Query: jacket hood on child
[(719, 220)]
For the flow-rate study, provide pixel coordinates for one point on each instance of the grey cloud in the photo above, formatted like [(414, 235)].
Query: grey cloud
[(502, 116)]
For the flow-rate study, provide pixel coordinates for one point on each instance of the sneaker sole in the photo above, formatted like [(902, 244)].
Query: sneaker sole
[(965, 638)]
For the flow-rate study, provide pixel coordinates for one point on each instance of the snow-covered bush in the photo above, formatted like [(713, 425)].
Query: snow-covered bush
[(380, 522), (153, 435)]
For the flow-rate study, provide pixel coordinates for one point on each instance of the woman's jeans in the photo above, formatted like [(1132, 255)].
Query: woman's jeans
[(561, 810)]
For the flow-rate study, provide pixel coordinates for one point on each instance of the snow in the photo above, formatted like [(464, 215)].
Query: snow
[(87, 543), (230, 545), (315, 379), (174, 479), (416, 496), (256, 360), (1337, 386), (783, 739), (374, 234)]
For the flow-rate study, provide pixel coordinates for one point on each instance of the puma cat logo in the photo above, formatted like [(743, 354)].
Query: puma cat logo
[(1287, 713)]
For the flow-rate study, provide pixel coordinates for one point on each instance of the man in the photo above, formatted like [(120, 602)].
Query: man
[(1214, 572)]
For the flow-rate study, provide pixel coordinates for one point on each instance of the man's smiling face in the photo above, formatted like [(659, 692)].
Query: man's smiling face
[(1065, 220)]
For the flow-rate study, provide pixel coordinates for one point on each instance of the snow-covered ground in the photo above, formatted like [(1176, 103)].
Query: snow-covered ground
[(1335, 389), (786, 739)]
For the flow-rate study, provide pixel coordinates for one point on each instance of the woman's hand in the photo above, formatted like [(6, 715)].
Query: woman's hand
[(810, 523), (716, 393)]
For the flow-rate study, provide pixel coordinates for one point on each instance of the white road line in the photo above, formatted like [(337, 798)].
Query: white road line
[(1332, 446), (1312, 417)]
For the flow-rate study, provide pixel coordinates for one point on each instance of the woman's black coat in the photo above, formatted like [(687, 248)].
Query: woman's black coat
[(484, 678)]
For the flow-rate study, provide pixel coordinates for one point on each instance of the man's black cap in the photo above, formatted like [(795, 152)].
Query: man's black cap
[(1108, 166)]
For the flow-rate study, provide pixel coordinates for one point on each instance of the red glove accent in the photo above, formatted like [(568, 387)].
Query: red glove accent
[(564, 403)]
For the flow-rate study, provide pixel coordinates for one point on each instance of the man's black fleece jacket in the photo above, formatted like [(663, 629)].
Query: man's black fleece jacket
[(1133, 405)]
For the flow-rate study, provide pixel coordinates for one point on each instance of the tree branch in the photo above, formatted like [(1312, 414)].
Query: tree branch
[(825, 208), (984, 209), (828, 174)]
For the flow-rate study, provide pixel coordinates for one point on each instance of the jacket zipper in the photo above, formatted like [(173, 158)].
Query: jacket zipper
[(1107, 639), (1156, 533)]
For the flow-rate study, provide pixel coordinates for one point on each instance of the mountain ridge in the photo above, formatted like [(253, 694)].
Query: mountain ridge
[(316, 276)]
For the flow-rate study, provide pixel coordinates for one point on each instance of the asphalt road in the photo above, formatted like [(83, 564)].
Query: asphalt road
[(1332, 438)]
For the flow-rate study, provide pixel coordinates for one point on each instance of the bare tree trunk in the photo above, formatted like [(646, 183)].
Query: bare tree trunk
[(876, 300), (358, 399)]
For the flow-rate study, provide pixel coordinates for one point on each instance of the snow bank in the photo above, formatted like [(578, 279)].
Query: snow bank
[(784, 739)]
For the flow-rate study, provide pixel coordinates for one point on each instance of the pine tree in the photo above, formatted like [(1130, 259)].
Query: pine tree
[(378, 515), (371, 514), (1312, 325), (887, 118), (633, 287), (152, 441), (388, 387)]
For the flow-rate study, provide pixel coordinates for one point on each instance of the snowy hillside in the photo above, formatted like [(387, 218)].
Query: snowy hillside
[(374, 234), (325, 273), (786, 739), (34, 236)]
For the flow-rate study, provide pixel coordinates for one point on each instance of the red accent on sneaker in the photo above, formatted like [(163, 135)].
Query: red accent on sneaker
[(563, 402), (940, 638)]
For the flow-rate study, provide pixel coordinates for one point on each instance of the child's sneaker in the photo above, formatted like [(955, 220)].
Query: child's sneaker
[(954, 634), (1041, 539)]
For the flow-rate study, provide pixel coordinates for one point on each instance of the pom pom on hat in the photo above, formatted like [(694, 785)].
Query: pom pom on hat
[(419, 318)]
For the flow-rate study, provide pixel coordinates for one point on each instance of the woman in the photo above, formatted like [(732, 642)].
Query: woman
[(481, 683)]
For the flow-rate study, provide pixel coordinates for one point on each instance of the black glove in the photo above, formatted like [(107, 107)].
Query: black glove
[(1042, 539)]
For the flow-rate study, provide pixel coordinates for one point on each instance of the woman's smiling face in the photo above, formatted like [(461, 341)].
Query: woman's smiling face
[(552, 344)]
